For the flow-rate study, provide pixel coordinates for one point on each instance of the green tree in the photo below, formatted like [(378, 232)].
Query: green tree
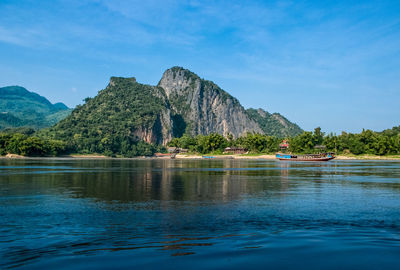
[(211, 143)]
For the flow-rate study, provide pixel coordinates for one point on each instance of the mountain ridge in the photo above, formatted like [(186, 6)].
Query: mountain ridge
[(127, 112)]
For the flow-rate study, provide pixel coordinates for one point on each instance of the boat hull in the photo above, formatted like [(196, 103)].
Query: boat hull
[(318, 157), (307, 159)]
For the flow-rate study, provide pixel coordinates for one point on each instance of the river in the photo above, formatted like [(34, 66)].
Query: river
[(199, 214)]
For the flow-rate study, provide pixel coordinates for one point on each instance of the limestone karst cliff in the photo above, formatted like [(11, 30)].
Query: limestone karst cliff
[(204, 106)]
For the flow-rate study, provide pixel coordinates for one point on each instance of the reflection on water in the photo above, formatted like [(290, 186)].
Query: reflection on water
[(67, 213)]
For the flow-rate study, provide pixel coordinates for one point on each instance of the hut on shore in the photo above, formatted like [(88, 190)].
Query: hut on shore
[(284, 145)]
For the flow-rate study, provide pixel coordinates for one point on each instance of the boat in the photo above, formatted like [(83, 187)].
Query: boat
[(306, 157), (208, 157)]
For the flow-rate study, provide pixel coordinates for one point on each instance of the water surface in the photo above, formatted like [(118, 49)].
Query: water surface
[(197, 214)]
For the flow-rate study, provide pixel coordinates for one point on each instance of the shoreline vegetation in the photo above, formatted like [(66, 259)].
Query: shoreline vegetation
[(368, 144)]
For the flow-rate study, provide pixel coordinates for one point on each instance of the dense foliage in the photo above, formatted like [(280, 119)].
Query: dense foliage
[(22, 142), (19, 107), (258, 143), (25, 145), (366, 142), (216, 143), (201, 144)]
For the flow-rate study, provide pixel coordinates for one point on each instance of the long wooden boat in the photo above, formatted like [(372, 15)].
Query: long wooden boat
[(307, 157)]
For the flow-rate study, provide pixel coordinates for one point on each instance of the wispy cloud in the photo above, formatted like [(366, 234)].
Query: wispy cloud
[(27, 37)]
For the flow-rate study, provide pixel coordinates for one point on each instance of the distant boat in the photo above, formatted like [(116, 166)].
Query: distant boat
[(208, 157), (306, 157)]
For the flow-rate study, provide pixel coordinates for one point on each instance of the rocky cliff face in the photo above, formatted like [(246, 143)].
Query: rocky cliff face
[(204, 107)]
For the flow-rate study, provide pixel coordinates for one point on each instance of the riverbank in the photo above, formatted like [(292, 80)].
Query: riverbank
[(199, 156), (368, 157), (77, 156)]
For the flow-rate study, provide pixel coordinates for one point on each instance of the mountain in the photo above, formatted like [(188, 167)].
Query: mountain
[(274, 124), (20, 107), (126, 112)]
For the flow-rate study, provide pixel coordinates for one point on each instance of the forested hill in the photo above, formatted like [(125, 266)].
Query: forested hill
[(118, 120), (127, 112), (20, 107)]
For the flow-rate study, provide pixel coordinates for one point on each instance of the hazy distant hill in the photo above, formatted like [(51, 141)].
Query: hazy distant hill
[(20, 107), (126, 112), (391, 132)]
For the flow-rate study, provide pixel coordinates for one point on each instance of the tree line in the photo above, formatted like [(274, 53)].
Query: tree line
[(366, 142), (27, 143)]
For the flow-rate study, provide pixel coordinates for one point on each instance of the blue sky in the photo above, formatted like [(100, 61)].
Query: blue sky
[(334, 64)]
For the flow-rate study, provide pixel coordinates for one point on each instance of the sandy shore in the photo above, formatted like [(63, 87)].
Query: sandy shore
[(15, 156), (86, 156), (367, 157), (182, 156)]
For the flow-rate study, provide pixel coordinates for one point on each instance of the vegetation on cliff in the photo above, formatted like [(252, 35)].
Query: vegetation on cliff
[(115, 122), (274, 124)]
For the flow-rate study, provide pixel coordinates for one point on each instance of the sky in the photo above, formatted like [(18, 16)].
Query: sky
[(333, 64)]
